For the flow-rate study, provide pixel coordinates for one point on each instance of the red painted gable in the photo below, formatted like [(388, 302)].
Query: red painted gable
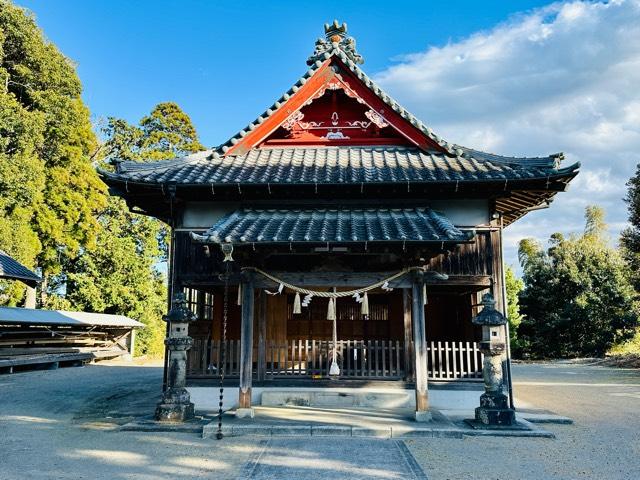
[(334, 107)]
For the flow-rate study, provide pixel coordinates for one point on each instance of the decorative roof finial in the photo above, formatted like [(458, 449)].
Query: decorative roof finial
[(335, 32), (336, 40)]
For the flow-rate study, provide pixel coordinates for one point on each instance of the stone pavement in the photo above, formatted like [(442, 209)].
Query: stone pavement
[(300, 421), (303, 459)]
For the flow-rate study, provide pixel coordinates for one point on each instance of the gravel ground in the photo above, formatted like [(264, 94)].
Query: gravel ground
[(62, 425), (603, 443)]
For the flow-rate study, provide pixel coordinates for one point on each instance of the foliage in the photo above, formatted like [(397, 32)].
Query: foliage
[(55, 214), (630, 238), (167, 132), (49, 192), (577, 299), (514, 286), (120, 275), (627, 347)]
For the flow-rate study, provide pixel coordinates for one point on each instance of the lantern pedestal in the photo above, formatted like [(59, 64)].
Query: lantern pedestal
[(494, 411), (176, 405)]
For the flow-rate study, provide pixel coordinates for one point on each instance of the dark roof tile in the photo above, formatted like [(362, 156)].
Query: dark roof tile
[(338, 165), (334, 226), (14, 270)]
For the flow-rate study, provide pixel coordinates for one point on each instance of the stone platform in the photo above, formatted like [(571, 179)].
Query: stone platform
[(302, 421)]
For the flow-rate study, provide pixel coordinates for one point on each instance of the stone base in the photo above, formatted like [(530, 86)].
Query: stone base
[(496, 417), (424, 416), (245, 413), (494, 410), (174, 412), (515, 427)]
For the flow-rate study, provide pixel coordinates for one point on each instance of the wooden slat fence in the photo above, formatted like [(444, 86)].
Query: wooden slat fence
[(376, 359)]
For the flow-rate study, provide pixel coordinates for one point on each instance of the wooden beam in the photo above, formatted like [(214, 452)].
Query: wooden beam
[(408, 346), (420, 347), (342, 279), (262, 335), (246, 343)]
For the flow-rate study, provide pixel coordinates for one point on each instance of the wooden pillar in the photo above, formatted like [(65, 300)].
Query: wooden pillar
[(420, 348), (246, 349), (262, 335), (408, 346)]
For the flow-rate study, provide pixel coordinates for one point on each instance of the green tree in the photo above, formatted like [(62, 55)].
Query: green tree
[(630, 238), (49, 192), (514, 286), (577, 298), (121, 275), (167, 132)]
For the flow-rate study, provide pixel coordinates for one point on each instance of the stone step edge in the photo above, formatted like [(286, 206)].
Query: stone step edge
[(259, 430)]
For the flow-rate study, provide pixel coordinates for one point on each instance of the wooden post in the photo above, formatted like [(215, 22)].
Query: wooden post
[(420, 348), (246, 349), (408, 348), (262, 335)]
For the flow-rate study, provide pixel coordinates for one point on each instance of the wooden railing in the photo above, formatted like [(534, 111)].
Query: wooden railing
[(376, 359), (356, 359)]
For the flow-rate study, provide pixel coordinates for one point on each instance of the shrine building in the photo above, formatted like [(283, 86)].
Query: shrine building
[(361, 241)]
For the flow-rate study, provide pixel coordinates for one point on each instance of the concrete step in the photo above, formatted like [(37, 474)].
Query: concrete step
[(339, 398)]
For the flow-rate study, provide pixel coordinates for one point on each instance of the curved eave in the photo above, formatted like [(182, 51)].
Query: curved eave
[(119, 179), (213, 240)]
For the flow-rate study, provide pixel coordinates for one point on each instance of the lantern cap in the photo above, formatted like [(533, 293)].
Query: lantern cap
[(489, 315), (180, 312)]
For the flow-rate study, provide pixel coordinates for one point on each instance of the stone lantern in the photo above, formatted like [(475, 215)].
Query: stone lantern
[(494, 408), (176, 405)]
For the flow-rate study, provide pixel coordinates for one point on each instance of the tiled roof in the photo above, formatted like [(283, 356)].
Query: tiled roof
[(12, 269), (334, 226), (335, 165)]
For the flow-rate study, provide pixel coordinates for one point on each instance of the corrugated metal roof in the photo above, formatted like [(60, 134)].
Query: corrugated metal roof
[(30, 316), (336, 165), (14, 270), (334, 225)]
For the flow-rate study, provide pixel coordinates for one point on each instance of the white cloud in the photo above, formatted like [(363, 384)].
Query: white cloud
[(562, 78)]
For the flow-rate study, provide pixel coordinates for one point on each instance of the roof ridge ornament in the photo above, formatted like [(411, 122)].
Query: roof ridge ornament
[(335, 39)]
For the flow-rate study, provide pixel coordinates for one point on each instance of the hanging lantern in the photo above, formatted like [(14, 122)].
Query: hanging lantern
[(296, 304)]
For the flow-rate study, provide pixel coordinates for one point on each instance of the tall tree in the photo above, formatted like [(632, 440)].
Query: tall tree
[(167, 132), (50, 192), (630, 238), (122, 274), (577, 299), (514, 286)]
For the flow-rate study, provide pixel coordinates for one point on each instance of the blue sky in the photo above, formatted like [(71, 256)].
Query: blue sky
[(225, 62), (510, 77)]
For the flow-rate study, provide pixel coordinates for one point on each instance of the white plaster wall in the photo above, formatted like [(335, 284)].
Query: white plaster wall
[(203, 215), (463, 213)]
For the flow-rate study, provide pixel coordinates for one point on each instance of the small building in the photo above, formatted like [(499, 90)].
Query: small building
[(337, 187), (34, 337), (11, 269)]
